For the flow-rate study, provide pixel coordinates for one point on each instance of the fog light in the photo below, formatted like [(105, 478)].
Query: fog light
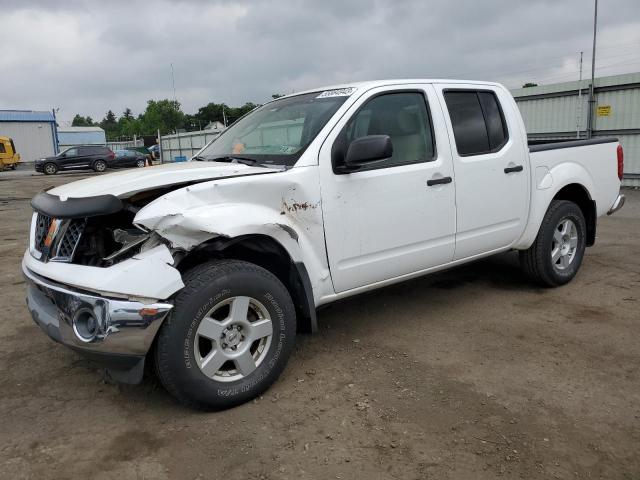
[(85, 325)]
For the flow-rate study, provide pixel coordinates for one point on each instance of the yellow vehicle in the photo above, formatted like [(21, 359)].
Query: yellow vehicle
[(8, 156)]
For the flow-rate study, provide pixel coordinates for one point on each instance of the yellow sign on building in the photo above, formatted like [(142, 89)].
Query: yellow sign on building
[(604, 110)]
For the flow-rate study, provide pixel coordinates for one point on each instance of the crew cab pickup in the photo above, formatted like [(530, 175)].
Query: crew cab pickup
[(209, 268)]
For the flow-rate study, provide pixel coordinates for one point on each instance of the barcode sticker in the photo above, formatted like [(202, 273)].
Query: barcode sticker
[(337, 92)]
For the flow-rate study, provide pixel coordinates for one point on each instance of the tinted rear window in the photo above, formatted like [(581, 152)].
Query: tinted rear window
[(493, 118), (477, 121)]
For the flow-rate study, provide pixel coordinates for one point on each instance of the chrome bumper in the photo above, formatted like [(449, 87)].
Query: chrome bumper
[(617, 205), (115, 333)]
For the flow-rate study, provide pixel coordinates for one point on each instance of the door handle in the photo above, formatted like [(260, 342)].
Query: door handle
[(439, 181), (517, 168)]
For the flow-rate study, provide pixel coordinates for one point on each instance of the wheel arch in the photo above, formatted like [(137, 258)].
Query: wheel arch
[(578, 194), (568, 182), (266, 252)]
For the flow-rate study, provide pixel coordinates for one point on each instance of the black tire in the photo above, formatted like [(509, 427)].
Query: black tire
[(14, 166), (100, 166), (206, 286), (537, 261), (50, 168)]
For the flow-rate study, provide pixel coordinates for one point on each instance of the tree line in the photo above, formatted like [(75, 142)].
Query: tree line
[(164, 115)]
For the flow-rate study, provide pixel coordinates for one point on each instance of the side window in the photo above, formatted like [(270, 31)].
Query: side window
[(404, 117), (496, 128), (477, 120), (2, 149), (72, 152)]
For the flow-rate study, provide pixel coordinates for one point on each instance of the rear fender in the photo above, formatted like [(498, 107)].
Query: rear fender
[(546, 185)]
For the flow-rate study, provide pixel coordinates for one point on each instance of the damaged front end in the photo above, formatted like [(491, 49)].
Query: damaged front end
[(97, 283), (96, 232)]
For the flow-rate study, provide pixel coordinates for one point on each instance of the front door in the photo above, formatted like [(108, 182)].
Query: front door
[(70, 158), (388, 219)]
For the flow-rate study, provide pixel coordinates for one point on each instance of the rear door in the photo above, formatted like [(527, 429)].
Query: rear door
[(491, 167), (388, 219)]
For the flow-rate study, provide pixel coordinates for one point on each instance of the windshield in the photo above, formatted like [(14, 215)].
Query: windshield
[(278, 132)]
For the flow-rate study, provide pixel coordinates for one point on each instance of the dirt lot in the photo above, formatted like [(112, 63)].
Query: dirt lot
[(470, 374)]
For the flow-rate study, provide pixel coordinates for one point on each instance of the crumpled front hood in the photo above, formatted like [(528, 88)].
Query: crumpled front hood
[(126, 183)]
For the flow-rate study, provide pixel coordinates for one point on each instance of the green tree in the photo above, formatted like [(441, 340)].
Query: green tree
[(164, 115), (211, 112), (110, 125), (128, 126), (234, 113), (127, 114), (80, 121)]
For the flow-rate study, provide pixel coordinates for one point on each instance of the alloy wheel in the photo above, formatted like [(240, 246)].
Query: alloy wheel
[(233, 339), (564, 244)]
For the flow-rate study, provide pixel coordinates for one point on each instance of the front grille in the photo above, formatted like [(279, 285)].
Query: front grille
[(70, 240), (65, 241), (43, 222)]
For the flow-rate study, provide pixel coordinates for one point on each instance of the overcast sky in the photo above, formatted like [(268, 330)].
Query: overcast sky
[(90, 56)]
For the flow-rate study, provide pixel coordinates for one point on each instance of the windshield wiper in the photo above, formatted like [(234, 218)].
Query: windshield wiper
[(235, 159)]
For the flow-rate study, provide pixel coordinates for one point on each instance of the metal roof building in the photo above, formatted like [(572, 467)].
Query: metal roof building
[(557, 111), (33, 133), (69, 136)]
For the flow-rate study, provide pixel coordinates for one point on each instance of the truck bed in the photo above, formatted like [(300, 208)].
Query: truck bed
[(541, 146)]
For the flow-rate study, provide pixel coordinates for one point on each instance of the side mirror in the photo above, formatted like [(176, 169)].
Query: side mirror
[(369, 149)]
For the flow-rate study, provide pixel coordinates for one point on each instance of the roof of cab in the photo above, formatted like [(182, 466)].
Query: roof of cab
[(367, 85)]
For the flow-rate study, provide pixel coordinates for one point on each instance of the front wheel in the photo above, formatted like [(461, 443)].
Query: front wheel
[(557, 252), (140, 163), (228, 337), (50, 169), (100, 166)]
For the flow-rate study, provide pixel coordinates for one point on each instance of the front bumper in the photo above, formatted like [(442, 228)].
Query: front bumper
[(38, 166), (617, 205), (115, 333)]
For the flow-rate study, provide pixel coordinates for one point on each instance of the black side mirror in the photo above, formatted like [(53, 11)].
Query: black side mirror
[(369, 149)]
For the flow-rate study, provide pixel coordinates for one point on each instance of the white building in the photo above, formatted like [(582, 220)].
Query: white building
[(552, 112), (71, 136), (34, 133)]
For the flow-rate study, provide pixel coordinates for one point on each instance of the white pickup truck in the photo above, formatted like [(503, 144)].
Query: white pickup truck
[(209, 268)]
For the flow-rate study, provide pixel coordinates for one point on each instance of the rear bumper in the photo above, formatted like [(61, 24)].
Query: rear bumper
[(617, 205), (116, 334)]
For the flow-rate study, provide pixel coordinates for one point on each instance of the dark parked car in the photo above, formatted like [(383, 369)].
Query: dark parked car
[(128, 158), (76, 158)]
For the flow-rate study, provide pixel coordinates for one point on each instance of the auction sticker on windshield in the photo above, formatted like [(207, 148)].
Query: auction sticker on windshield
[(337, 92)]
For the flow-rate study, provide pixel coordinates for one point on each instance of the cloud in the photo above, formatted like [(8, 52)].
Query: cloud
[(88, 56)]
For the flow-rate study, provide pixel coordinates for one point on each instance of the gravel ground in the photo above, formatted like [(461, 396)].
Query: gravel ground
[(472, 373)]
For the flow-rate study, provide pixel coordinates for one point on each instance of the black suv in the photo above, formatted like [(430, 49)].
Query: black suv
[(76, 158)]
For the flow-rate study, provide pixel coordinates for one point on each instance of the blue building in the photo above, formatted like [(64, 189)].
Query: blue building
[(33, 133)]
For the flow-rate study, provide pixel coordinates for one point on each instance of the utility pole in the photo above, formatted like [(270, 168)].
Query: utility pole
[(173, 82), (579, 106), (592, 100), (224, 117)]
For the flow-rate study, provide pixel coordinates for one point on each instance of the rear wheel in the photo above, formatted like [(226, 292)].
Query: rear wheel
[(100, 166), (140, 163), (556, 254), (50, 168), (228, 337)]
